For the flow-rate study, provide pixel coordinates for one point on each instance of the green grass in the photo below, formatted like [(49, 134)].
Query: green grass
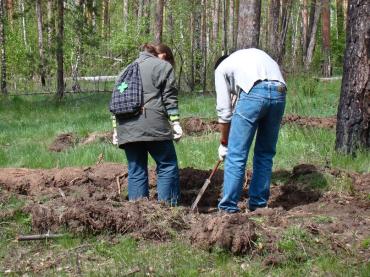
[(28, 125)]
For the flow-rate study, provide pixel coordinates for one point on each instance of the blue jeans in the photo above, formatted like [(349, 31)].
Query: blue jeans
[(259, 110), (164, 154)]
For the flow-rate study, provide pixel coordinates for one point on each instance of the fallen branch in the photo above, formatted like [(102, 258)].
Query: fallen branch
[(38, 237), (62, 193), (118, 185), (124, 175)]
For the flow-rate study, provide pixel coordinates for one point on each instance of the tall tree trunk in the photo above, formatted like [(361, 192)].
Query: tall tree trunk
[(216, 21), (340, 18), (192, 46), (147, 16), (23, 18), (353, 118), (10, 11), (59, 49), (94, 15), (159, 21), (231, 31), (304, 27), (286, 11), (340, 30), (295, 39), (249, 23), (325, 23), (50, 14), (4, 89), (40, 42), (273, 27), (204, 45), (312, 41), (106, 21), (171, 29), (125, 15), (224, 27), (79, 25)]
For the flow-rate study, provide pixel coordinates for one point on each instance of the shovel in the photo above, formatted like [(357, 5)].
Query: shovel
[(204, 187)]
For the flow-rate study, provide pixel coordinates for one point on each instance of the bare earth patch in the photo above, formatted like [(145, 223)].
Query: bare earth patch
[(94, 200), (320, 122), (192, 126)]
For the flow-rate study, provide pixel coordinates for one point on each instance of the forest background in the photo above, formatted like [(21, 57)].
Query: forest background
[(100, 37)]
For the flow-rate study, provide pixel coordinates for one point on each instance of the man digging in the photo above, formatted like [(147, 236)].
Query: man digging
[(255, 78)]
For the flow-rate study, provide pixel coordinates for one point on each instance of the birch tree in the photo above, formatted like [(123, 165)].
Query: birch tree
[(3, 53), (59, 48), (314, 21), (40, 42)]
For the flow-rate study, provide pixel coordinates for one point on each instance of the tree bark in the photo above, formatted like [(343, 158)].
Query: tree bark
[(159, 21), (125, 15), (3, 84), (224, 27), (249, 23), (231, 31), (312, 41), (79, 25), (353, 118), (59, 49), (24, 32), (50, 8), (325, 23), (304, 26), (204, 45), (40, 42), (10, 11), (273, 28), (106, 21), (215, 27)]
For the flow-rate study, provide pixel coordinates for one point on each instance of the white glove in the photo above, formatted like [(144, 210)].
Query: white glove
[(177, 130), (115, 138), (222, 152)]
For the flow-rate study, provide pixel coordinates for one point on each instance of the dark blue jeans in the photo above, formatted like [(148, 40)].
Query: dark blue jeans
[(164, 154), (259, 110)]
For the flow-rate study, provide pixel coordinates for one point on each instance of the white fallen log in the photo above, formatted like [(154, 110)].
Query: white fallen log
[(94, 78), (330, 78)]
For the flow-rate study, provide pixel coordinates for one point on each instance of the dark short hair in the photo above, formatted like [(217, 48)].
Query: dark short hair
[(220, 59)]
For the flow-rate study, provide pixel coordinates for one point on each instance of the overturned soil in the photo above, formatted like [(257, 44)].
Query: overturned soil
[(196, 125), (94, 200), (304, 121), (192, 126)]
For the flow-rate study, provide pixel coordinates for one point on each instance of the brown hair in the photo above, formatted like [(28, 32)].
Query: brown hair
[(164, 49), (150, 48)]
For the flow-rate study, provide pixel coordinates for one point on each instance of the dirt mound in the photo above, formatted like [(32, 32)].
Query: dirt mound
[(195, 125), (94, 199), (291, 195), (235, 232), (97, 136), (142, 219), (62, 142), (320, 122)]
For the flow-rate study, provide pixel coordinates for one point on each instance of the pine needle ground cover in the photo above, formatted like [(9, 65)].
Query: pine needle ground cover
[(317, 225)]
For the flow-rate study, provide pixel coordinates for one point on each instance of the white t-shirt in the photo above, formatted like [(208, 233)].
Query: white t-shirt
[(240, 71)]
